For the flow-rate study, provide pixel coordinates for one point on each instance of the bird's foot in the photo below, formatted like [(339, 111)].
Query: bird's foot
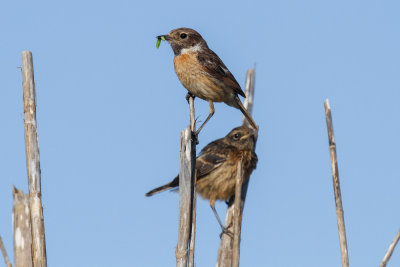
[(195, 137), (230, 201), (226, 231)]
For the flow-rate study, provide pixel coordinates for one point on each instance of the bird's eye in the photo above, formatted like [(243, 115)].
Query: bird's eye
[(236, 136), (183, 35)]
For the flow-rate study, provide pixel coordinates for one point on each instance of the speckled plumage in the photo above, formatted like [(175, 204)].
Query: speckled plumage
[(216, 165)]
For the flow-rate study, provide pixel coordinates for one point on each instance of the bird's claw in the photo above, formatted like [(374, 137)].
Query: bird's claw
[(230, 201), (195, 137), (189, 95), (227, 232)]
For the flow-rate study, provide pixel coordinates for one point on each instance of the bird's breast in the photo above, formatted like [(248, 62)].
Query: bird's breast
[(220, 183), (192, 76)]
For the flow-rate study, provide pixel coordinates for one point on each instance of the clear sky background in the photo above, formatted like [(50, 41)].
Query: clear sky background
[(110, 110)]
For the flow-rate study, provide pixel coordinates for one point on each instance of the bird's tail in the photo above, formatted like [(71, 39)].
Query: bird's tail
[(170, 185), (245, 113)]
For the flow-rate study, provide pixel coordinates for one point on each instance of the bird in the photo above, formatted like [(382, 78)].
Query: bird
[(203, 73), (216, 167)]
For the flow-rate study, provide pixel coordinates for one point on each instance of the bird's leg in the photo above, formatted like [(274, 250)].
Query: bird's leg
[(194, 135), (188, 95), (224, 230), (212, 110), (216, 216)]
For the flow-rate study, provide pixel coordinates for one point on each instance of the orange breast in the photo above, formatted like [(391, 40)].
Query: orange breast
[(196, 80), (186, 67), (181, 60)]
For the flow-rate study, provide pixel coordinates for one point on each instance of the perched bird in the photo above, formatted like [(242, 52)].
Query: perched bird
[(203, 73), (216, 166)]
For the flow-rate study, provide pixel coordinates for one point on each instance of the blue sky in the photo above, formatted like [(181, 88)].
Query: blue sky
[(110, 110)]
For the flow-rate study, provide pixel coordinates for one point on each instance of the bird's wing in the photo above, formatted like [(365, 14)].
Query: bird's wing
[(208, 162), (214, 66)]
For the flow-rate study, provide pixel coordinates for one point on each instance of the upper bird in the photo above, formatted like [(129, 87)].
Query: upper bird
[(203, 73)]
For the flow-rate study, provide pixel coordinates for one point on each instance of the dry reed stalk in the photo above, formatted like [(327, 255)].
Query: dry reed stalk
[(22, 229), (389, 252), (194, 196), (33, 162), (4, 252), (187, 215), (237, 218), (336, 186)]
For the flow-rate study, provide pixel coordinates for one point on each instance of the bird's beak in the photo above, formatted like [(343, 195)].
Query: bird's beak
[(253, 134), (247, 136), (164, 37), (244, 137)]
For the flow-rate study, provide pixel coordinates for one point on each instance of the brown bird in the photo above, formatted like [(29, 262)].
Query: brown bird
[(203, 73), (216, 167)]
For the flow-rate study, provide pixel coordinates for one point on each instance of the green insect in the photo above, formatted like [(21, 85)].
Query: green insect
[(159, 41)]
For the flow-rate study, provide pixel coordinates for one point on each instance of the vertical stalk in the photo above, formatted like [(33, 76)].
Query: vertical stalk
[(237, 219), (194, 196), (187, 215), (336, 187), (33, 162), (22, 230)]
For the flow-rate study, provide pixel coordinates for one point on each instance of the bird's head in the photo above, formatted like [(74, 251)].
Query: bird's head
[(243, 138), (184, 40)]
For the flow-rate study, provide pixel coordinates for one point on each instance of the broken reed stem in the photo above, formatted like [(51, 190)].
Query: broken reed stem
[(193, 230), (181, 251), (225, 251), (33, 162), (237, 219), (336, 186), (186, 194), (22, 229), (390, 250), (4, 252)]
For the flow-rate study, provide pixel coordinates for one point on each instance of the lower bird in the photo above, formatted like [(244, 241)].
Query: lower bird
[(216, 167), (203, 73)]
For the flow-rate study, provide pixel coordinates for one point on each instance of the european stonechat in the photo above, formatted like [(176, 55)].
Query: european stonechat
[(216, 166), (203, 73)]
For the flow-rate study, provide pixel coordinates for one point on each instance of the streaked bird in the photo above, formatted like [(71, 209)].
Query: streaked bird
[(216, 167)]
